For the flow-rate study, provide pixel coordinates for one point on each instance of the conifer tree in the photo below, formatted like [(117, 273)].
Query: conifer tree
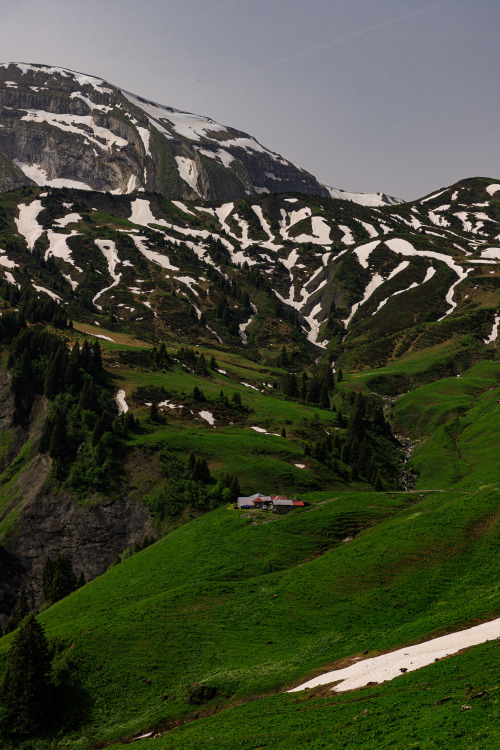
[(58, 447), (19, 612), (324, 399), (25, 691)]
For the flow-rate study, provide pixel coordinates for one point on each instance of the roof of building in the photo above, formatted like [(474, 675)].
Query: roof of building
[(298, 503), (283, 502)]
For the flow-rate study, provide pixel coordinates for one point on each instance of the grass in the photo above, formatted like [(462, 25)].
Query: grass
[(417, 711), (252, 605), (457, 421)]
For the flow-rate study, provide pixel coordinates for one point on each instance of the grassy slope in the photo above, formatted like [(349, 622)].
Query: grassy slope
[(253, 607), (457, 421), (400, 714)]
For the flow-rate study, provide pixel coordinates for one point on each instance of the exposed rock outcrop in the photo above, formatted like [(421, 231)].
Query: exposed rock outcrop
[(62, 128)]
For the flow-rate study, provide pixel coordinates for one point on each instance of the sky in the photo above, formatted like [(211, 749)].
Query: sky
[(398, 96)]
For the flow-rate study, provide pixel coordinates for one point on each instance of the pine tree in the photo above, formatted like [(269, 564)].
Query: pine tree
[(26, 691), (283, 357), (283, 432), (19, 612), (55, 374), (58, 447), (213, 363), (96, 358), (324, 399), (58, 579)]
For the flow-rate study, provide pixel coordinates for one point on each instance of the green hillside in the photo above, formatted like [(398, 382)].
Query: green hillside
[(248, 606), (158, 361)]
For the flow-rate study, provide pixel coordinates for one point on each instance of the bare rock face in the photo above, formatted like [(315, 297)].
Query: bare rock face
[(62, 128), (90, 536), (50, 525)]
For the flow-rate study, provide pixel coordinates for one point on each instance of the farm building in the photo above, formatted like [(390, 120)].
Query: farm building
[(278, 503), (253, 501), (282, 505)]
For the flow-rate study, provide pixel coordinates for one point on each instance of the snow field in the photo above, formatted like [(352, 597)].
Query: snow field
[(39, 177), (347, 239), (6, 262), (388, 666), (78, 124), (58, 246)]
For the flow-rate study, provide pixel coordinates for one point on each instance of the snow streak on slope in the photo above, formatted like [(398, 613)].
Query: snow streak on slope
[(27, 223), (108, 249), (347, 239), (188, 171), (403, 247), (494, 331), (159, 258), (375, 282), (79, 124), (429, 274), (363, 252), (388, 666), (269, 244)]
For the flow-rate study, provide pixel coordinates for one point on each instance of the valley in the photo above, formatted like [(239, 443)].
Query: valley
[(185, 326)]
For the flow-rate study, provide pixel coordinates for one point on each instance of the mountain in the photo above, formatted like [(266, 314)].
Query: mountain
[(62, 128), (364, 284), (166, 347), (67, 129)]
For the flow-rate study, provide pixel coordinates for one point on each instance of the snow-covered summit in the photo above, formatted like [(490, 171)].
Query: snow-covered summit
[(373, 200)]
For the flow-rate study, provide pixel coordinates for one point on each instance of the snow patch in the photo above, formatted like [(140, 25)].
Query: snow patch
[(27, 223), (207, 416), (494, 331), (492, 189), (121, 403), (188, 171), (388, 666)]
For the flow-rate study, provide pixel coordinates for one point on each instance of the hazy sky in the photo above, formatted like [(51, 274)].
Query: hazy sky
[(394, 95)]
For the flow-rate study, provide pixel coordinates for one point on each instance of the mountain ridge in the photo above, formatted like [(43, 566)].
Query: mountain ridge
[(143, 144)]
